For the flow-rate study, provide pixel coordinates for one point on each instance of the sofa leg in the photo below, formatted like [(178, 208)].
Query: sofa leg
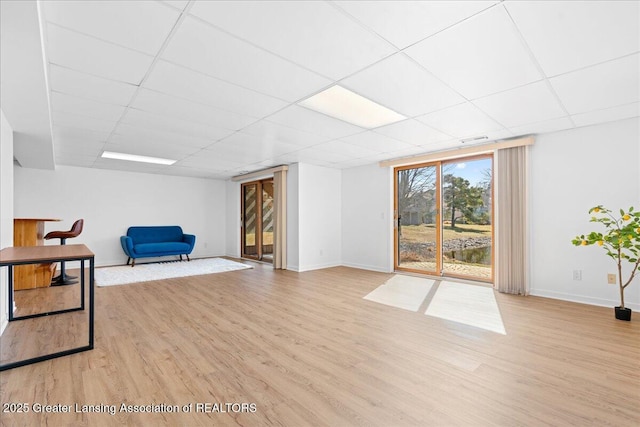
[(180, 257), (133, 262), (188, 259), (128, 260)]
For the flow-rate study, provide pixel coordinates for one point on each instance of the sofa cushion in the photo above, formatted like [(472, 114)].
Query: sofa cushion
[(165, 247), (155, 234)]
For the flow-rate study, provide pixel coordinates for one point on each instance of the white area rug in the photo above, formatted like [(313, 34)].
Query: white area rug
[(469, 304), (109, 276), (400, 291)]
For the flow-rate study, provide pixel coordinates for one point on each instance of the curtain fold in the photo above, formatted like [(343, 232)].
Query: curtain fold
[(511, 275), (280, 221)]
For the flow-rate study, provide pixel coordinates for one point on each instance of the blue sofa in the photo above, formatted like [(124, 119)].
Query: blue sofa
[(156, 241)]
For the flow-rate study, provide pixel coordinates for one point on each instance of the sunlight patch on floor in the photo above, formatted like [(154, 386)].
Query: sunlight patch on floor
[(400, 291), (468, 304), (471, 305)]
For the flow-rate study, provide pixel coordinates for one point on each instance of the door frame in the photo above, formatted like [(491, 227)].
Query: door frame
[(397, 217), (259, 205), (439, 267)]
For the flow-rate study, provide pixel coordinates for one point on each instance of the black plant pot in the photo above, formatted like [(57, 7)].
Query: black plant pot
[(623, 313)]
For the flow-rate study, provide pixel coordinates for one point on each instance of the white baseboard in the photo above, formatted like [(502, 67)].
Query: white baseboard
[(582, 299), (315, 267), (367, 267), (3, 325)]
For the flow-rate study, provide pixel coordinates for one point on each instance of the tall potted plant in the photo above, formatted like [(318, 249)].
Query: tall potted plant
[(621, 241)]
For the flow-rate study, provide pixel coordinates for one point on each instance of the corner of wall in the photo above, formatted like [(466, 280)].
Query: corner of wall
[(6, 209)]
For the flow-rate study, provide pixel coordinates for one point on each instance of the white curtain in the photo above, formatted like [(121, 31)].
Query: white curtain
[(280, 222), (511, 275)]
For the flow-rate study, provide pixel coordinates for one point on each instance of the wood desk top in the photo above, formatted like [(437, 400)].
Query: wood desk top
[(21, 254), (37, 219)]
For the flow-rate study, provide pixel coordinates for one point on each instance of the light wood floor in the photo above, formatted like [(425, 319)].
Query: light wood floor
[(306, 349)]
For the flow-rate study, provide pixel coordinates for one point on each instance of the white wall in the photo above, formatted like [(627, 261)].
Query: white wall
[(233, 224), (319, 197), (293, 216), (111, 201), (6, 209), (572, 171), (367, 218)]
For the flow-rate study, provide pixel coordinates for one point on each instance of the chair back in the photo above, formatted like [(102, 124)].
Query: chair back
[(76, 229)]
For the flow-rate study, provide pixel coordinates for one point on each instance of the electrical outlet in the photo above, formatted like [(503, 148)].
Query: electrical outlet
[(577, 274), (611, 279)]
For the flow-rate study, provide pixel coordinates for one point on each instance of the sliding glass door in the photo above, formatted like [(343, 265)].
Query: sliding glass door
[(417, 227), (444, 218), (257, 220)]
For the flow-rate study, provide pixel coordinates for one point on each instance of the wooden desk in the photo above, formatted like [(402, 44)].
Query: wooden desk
[(30, 232), (15, 257)]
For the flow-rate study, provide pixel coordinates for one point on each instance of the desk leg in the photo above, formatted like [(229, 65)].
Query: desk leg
[(91, 300), (81, 284), (10, 288)]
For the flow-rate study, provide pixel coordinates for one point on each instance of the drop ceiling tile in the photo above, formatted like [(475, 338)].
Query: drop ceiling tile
[(268, 131), (265, 146), (203, 48), (191, 172), (376, 142), (180, 127), (310, 121), (167, 148), (413, 151), (148, 134), (413, 132), (78, 148), (353, 163), (607, 115), (183, 83), (478, 57), (402, 85), (178, 4), (464, 120), (73, 82), (380, 157), (326, 40), (209, 160), (546, 126), (93, 56), (265, 164), (82, 122), (349, 151), (170, 106), (320, 157), (406, 22), (287, 159), (86, 107), (600, 86), (231, 153), (527, 104), (568, 35), (65, 133), (74, 160), (118, 22)]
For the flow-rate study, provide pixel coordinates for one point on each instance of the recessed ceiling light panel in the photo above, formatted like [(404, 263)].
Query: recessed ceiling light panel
[(350, 107), (136, 158)]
